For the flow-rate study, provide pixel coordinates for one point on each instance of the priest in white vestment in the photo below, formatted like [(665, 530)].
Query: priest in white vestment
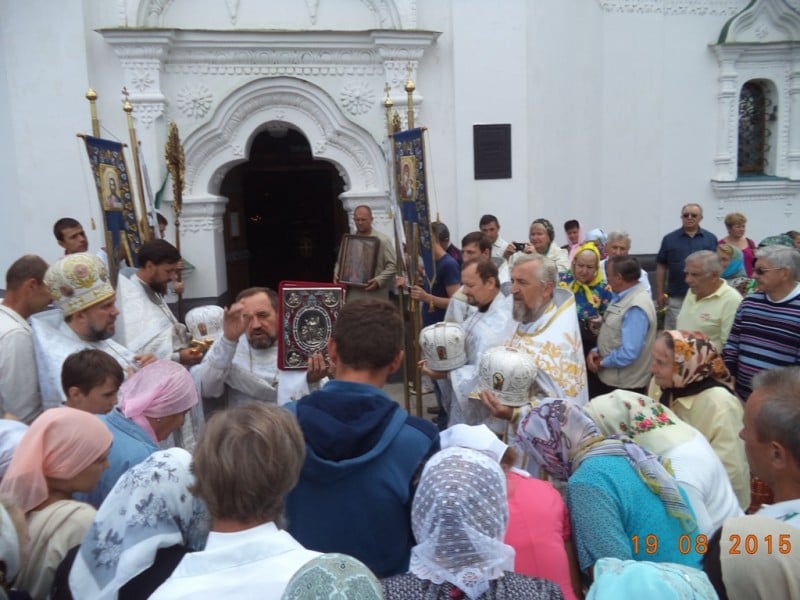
[(548, 330), (242, 365), (488, 325), (85, 318), (147, 324)]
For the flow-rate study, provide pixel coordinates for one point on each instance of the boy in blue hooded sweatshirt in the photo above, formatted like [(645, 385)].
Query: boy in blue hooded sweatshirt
[(364, 452)]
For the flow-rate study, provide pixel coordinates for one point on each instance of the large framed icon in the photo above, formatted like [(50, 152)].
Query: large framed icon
[(358, 258)]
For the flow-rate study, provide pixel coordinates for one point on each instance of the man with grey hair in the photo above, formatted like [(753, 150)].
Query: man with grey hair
[(619, 244), (621, 359), (771, 437), (766, 328), (548, 330), (710, 303)]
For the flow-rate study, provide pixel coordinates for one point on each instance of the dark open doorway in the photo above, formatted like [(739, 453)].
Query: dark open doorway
[(284, 218)]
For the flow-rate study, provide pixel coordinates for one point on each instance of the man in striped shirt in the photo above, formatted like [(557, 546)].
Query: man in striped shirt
[(766, 329)]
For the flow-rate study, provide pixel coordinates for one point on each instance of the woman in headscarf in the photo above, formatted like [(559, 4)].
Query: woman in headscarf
[(142, 530), (333, 576), (63, 452), (592, 297), (623, 503), (655, 427), (616, 579), (459, 517), (538, 520), (153, 404), (541, 238), (733, 272), (690, 378)]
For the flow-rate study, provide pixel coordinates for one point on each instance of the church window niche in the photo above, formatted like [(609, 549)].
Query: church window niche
[(757, 114)]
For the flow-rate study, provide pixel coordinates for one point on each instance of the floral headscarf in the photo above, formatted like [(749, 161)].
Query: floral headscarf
[(459, 518), (148, 508), (644, 420), (696, 359), (559, 436), (333, 577)]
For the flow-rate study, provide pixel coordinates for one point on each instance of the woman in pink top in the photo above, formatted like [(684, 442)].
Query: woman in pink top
[(538, 521)]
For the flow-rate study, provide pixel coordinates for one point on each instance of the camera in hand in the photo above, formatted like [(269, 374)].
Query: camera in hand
[(519, 246)]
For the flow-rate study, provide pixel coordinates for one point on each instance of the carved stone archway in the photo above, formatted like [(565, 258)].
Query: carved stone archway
[(224, 141)]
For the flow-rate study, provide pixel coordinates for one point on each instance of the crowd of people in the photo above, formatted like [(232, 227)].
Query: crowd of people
[(594, 436)]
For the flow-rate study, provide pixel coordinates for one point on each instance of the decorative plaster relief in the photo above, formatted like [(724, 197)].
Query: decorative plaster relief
[(147, 112), (194, 100), (357, 97), (141, 80), (725, 8), (233, 10), (312, 6)]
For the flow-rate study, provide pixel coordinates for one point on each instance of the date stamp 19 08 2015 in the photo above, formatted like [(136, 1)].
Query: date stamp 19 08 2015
[(735, 544)]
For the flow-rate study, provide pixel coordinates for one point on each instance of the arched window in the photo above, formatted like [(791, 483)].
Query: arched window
[(755, 108)]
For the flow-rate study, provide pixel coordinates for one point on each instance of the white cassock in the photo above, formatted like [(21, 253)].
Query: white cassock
[(54, 341), (244, 373), (483, 330), (146, 325), (554, 341)]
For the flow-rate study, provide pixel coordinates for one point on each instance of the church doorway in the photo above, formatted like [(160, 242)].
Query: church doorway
[(284, 218)]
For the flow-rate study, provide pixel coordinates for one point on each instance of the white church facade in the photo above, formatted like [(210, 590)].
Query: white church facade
[(620, 112)]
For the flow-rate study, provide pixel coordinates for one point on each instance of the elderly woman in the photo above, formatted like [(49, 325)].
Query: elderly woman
[(690, 378), (592, 294), (732, 261), (735, 223), (459, 517), (622, 501), (63, 452), (141, 531), (541, 238), (655, 427), (153, 404)]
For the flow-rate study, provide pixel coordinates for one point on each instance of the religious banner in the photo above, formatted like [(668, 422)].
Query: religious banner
[(111, 178), (412, 195)]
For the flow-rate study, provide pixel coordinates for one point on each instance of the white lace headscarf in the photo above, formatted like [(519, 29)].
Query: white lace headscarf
[(459, 518), (148, 508)]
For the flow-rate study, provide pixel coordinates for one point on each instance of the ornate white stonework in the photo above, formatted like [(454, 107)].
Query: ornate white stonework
[(357, 97), (194, 100), (675, 7), (758, 44)]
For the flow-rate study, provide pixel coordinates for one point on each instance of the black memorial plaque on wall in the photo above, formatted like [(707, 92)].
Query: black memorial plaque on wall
[(492, 151)]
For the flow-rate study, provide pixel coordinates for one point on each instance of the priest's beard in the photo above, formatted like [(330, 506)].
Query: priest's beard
[(98, 335), (160, 288), (260, 342), (522, 313)]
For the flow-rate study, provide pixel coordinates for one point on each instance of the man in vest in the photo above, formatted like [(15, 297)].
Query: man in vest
[(622, 357)]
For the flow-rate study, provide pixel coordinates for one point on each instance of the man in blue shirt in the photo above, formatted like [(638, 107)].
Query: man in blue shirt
[(622, 357), (675, 247)]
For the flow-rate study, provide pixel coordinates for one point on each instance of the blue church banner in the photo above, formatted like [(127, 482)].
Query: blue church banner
[(111, 178), (412, 195)]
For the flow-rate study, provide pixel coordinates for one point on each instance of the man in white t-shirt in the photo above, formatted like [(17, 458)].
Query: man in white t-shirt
[(771, 437)]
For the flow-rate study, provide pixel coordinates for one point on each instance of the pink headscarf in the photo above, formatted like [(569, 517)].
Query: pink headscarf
[(161, 389), (60, 443)]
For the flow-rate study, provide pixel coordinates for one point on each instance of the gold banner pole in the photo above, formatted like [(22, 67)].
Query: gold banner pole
[(410, 87), (176, 166), (398, 247), (91, 96), (144, 226)]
